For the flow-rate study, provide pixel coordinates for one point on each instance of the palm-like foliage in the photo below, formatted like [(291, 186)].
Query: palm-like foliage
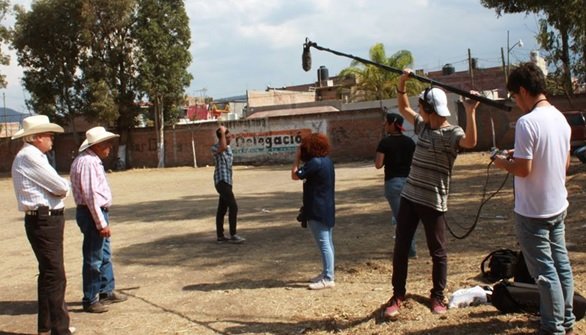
[(375, 83)]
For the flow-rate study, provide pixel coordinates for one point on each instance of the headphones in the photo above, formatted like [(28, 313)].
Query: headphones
[(428, 107)]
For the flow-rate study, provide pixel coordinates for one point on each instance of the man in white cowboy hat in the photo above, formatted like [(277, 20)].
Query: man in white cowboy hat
[(40, 192), (93, 199)]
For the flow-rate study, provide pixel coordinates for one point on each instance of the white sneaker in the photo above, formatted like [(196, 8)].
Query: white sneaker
[(72, 330), (323, 283), (236, 239), (317, 278)]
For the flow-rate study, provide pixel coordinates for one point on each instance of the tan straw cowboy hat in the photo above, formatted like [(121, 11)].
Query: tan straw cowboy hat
[(37, 124), (96, 135)]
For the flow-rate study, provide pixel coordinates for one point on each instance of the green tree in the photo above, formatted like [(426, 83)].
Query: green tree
[(4, 38), (48, 43), (100, 104), (109, 69), (375, 83), (562, 34), (162, 32)]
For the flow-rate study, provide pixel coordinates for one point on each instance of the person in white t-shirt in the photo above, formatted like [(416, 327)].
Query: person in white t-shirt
[(539, 162)]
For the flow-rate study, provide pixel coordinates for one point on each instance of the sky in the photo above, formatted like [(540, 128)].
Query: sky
[(240, 45)]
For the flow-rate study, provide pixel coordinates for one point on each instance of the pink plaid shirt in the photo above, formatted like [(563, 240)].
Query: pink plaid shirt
[(89, 185)]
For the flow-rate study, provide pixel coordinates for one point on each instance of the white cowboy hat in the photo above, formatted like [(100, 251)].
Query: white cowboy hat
[(96, 135), (37, 124)]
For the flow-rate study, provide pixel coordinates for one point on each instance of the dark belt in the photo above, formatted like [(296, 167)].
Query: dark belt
[(105, 209), (52, 212)]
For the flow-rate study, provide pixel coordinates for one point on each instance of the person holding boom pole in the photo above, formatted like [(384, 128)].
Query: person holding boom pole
[(425, 194)]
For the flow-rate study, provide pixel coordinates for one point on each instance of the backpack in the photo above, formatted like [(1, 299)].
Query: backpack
[(501, 264), (512, 297)]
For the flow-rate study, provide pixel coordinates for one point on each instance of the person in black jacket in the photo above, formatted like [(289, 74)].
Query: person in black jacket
[(318, 200)]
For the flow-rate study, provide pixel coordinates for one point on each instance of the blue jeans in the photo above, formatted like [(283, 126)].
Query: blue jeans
[(393, 189), (97, 270), (544, 249), (323, 236)]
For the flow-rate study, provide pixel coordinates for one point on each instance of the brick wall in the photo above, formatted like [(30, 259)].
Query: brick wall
[(481, 79), (353, 135)]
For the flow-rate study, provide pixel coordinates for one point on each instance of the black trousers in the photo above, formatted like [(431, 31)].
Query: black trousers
[(226, 202), (45, 234), (433, 221)]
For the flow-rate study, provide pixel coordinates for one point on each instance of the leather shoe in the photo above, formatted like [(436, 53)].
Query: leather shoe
[(112, 298), (96, 307)]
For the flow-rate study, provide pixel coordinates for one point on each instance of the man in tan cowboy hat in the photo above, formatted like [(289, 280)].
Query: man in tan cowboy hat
[(40, 192), (93, 199)]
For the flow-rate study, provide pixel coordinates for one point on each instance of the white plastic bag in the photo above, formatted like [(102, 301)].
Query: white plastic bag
[(468, 297)]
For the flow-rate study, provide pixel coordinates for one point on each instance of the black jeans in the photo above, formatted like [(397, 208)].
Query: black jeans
[(435, 233), (45, 234), (227, 202)]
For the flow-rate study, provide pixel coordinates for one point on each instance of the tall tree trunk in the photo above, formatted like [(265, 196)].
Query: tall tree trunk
[(566, 63), (161, 144)]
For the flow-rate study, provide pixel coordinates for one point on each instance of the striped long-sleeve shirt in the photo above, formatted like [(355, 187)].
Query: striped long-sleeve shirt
[(36, 183), (90, 187), (428, 183)]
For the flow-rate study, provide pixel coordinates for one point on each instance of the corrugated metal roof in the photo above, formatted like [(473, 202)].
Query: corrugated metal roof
[(293, 111)]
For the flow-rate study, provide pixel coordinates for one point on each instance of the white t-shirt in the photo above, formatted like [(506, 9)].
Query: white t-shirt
[(543, 136)]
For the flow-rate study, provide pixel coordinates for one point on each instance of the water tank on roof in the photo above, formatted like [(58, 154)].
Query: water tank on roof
[(448, 69), (322, 75)]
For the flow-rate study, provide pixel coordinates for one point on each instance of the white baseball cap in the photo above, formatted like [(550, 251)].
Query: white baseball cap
[(437, 99)]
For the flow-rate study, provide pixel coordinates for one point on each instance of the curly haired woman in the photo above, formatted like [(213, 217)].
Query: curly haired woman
[(319, 209)]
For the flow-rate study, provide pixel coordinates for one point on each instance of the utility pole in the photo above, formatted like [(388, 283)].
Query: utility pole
[(509, 49), (471, 69), (504, 66)]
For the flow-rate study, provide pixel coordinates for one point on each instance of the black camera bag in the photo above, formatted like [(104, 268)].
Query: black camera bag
[(301, 218), (512, 297)]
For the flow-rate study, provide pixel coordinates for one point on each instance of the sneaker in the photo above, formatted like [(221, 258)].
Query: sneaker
[(72, 330), (438, 306), (317, 278), (112, 298), (96, 307), (321, 284), (236, 239), (392, 310), (221, 239)]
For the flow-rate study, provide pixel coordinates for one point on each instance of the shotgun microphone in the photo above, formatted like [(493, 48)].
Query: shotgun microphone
[(306, 56)]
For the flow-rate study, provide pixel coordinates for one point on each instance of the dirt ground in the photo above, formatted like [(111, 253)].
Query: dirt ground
[(179, 281)]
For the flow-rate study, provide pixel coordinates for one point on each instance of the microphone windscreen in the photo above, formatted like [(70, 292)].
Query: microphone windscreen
[(306, 58)]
